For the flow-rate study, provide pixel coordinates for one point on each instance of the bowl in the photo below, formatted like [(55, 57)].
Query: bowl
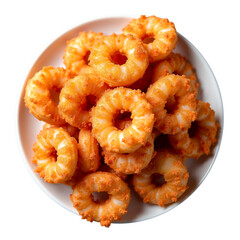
[(28, 127)]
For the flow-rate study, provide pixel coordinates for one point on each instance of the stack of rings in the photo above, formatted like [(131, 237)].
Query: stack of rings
[(127, 114)]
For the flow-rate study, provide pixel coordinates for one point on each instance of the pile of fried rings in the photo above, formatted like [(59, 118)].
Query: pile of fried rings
[(127, 114)]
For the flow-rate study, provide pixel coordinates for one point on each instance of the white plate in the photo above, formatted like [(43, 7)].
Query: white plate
[(29, 126)]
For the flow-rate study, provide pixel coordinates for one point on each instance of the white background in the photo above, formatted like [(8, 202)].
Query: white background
[(27, 28)]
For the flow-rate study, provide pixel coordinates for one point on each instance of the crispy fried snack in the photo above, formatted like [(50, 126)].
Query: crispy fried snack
[(78, 97), (122, 100), (176, 88), (159, 35), (105, 55), (78, 50), (175, 174), (38, 96), (56, 155), (107, 211)]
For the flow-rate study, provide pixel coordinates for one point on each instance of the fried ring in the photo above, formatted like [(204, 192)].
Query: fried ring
[(104, 212), (174, 172), (177, 64), (204, 136), (78, 50), (77, 98), (185, 107), (56, 155), (89, 157), (160, 30), (115, 74), (38, 96), (122, 100)]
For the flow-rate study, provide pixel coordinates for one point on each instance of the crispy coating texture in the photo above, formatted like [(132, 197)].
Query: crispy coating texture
[(38, 96), (104, 212), (132, 162), (73, 131), (56, 155), (164, 89), (204, 137), (122, 100), (101, 59), (161, 30), (75, 97), (177, 64), (89, 157), (175, 174), (78, 50)]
